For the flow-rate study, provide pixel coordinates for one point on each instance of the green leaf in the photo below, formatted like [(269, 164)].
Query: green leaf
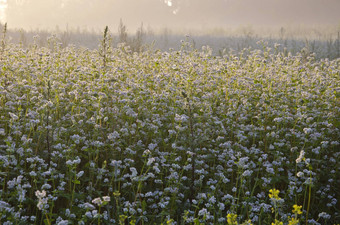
[(76, 182)]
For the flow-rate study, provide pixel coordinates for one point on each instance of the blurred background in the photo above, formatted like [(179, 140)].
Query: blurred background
[(221, 24), (173, 14)]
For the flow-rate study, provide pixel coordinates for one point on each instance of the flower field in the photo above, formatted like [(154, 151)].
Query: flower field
[(181, 137)]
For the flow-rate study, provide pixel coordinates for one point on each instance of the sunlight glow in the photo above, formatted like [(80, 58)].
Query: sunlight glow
[(168, 2), (3, 6)]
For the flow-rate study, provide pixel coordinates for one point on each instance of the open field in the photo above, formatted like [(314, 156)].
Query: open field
[(181, 137)]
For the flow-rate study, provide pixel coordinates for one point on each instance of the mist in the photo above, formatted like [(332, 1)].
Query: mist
[(175, 14)]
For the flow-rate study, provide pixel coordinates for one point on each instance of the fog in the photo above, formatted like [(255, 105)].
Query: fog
[(175, 14)]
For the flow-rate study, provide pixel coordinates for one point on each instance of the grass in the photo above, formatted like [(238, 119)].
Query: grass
[(179, 137)]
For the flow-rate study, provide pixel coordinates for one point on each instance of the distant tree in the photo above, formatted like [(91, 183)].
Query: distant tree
[(137, 42), (122, 32)]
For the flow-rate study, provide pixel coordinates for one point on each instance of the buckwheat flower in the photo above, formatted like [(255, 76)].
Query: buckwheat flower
[(32, 218), (134, 172), (113, 136), (40, 194), (334, 143), (150, 161), (80, 174), (157, 170), (106, 198), (307, 130), (63, 222), (69, 163), (242, 162), (13, 116), (87, 205), (97, 201), (324, 215), (221, 206), (88, 214), (309, 181), (42, 202), (247, 173), (316, 150), (152, 146), (3, 205), (300, 174), (212, 200), (324, 144), (21, 194), (203, 212), (46, 186), (270, 170), (77, 160), (2, 131), (301, 156)]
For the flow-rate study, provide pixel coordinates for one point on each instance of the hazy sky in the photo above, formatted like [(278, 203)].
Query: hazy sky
[(199, 14)]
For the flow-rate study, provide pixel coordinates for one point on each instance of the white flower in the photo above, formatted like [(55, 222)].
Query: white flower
[(300, 174), (42, 200), (13, 116), (147, 152), (106, 198), (150, 161), (307, 130), (301, 156), (40, 194), (97, 201), (41, 204)]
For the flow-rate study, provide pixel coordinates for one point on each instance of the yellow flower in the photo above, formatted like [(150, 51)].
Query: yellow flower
[(293, 221), (169, 222), (232, 219), (297, 209), (274, 194), (248, 222), (277, 222)]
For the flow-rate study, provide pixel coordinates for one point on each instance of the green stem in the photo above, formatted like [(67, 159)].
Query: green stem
[(48, 220), (309, 198)]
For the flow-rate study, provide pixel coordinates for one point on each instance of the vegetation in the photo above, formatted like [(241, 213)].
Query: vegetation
[(178, 137), (323, 41)]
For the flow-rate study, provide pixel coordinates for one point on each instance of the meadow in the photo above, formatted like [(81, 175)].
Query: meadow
[(112, 136)]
